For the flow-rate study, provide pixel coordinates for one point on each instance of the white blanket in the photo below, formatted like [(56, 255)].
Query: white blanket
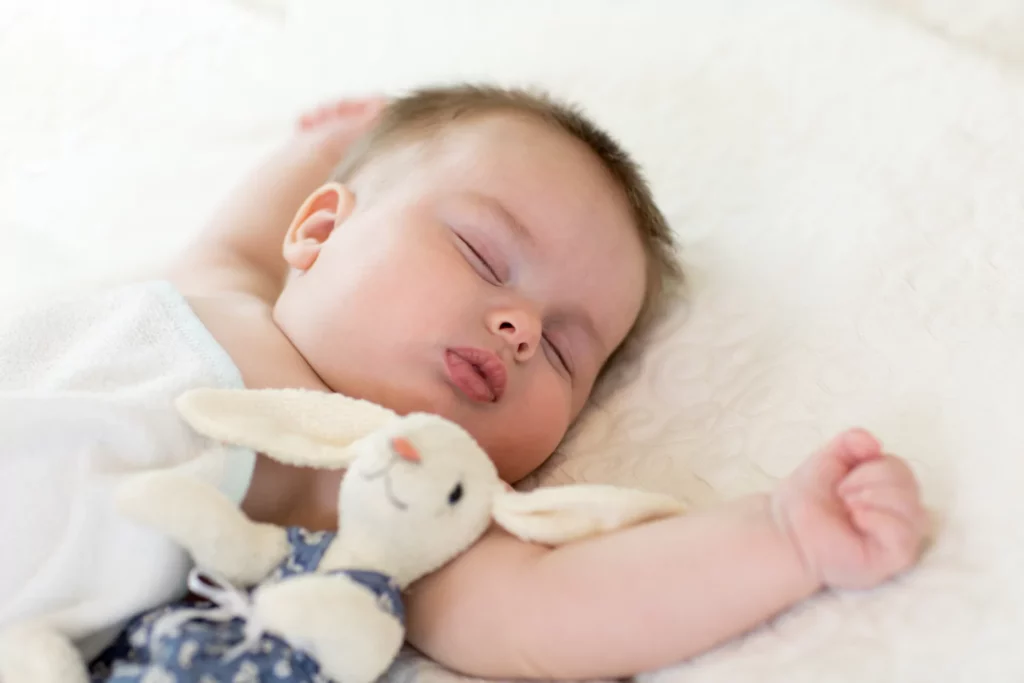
[(848, 179), (105, 367)]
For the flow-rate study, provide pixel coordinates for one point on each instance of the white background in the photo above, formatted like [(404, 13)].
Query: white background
[(846, 177)]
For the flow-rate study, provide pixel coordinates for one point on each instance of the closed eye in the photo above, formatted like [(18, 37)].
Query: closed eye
[(558, 354), (481, 262)]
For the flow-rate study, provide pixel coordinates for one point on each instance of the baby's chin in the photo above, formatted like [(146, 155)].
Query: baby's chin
[(514, 460)]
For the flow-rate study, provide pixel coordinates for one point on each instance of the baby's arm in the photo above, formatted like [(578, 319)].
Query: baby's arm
[(239, 250), (611, 606), (654, 595)]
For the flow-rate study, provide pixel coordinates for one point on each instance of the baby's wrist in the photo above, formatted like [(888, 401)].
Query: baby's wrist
[(778, 514)]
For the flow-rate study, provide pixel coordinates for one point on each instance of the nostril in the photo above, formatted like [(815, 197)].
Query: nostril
[(507, 326), (523, 347)]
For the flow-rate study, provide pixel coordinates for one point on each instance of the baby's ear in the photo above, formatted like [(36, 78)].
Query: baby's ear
[(562, 514), (295, 426), (314, 222)]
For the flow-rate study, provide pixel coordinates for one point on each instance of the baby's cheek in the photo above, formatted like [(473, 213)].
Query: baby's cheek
[(550, 410)]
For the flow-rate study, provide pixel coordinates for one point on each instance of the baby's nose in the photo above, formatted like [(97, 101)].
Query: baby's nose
[(520, 329)]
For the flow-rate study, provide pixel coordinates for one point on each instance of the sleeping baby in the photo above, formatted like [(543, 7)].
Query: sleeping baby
[(480, 253)]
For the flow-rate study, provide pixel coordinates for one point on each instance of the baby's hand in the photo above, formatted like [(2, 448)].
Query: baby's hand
[(853, 512)]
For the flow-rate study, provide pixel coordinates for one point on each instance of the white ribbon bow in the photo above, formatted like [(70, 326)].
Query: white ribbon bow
[(230, 602)]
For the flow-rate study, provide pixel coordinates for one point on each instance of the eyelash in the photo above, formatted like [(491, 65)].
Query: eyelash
[(558, 354), (486, 264)]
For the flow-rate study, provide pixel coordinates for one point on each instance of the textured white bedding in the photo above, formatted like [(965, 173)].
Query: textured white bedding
[(847, 180)]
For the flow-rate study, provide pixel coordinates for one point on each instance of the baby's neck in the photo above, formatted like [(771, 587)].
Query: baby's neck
[(244, 327)]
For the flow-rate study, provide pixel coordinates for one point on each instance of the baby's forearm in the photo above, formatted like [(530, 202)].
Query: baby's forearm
[(664, 592), (242, 243), (615, 605)]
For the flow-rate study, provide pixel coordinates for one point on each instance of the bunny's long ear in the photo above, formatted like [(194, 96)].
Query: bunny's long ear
[(294, 426), (562, 514)]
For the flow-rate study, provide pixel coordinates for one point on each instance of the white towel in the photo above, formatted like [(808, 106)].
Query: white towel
[(87, 385)]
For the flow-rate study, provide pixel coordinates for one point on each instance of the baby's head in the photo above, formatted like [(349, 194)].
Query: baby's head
[(483, 254)]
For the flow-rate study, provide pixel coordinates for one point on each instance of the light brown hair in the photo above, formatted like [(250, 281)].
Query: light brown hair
[(428, 111)]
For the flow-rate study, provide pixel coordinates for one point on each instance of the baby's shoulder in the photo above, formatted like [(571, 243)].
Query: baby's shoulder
[(243, 325)]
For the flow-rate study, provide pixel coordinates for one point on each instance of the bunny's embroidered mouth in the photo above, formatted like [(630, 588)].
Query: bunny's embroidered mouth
[(391, 495), (388, 490)]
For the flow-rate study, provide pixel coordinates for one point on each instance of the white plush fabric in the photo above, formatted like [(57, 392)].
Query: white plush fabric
[(106, 367), (847, 179)]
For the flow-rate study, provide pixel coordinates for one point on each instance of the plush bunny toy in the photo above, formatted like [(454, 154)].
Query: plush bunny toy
[(288, 604)]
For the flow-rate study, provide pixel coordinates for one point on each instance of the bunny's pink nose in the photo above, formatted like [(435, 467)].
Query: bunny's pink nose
[(404, 448)]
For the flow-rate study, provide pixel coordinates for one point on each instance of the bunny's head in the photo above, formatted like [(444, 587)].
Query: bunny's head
[(423, 488), (418, 488)]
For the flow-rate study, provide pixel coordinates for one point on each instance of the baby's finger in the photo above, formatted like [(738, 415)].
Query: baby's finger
[(370, 106), (895, 499), (891, 546), (350, 110), (887, 470)]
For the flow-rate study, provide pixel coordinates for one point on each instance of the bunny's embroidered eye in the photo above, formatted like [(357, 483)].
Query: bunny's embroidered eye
[(455, 495)]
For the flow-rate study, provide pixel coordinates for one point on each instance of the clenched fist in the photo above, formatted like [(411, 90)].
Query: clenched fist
[(853, 512)]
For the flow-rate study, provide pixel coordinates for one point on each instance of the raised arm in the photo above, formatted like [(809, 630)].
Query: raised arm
[(653, 595), (239, 250)]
